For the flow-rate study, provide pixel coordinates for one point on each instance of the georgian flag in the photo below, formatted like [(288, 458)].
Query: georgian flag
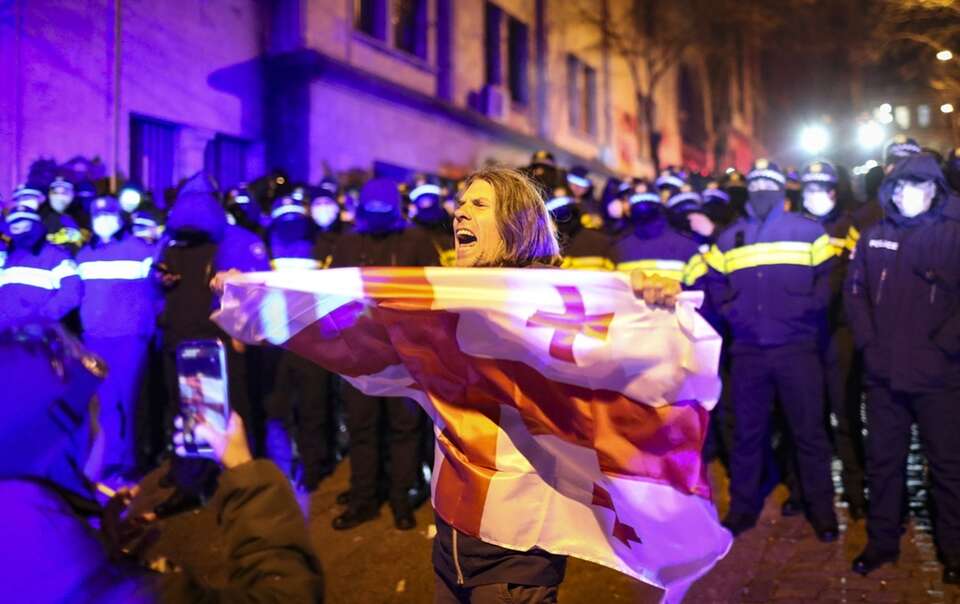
[(569, 416)]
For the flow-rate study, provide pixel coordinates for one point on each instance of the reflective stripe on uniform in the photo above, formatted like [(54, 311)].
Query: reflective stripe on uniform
[(38, 277), (294, 264), (587, 263), (796, 253), (115, 269), (669, 269), (695, 269)]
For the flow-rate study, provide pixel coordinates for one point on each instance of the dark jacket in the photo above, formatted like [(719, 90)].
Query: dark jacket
[(52, 555), (201, 245), (407, 247), (903, 289), (657, 248), (586, 248), (769, 280)]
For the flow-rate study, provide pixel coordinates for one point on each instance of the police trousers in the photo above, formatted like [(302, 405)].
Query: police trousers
[(300, 404), (889, 417), (118, 395), (366, 416), (794, 376)]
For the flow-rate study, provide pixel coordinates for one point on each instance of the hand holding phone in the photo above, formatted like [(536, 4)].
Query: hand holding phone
[(202, 378)]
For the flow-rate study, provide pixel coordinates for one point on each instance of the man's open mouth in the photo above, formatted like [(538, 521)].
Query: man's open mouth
[(465, 237)]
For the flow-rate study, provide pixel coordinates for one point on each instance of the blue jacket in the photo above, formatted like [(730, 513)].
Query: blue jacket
[(293, 255), (41, 285), (770, 280), (658, 249), (120, 298), (902, 293)]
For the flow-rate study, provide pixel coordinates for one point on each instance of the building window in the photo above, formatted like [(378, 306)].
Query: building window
[(493, 21), (582, 96), (902, 116), (152, 155), (409, 19), (225, 158), (518, 49), (923, 116), (370, 18)]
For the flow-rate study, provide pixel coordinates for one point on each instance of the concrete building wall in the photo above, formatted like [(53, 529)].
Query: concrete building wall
[(190, 62)]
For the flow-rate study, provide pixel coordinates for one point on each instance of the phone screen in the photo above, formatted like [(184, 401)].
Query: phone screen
[(202, 376)]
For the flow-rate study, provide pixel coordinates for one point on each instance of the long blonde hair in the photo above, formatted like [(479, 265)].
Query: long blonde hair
[(523, 221)]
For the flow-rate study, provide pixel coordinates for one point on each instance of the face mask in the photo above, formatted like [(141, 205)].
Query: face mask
[(324, 214), (129, 200), (296, 229), (763, 202), (60, 202), (913, 199), (106, 226), (644, 212), (818, 203), (25, 233)]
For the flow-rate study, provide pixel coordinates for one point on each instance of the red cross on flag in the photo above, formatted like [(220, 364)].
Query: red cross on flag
[(569, 416)]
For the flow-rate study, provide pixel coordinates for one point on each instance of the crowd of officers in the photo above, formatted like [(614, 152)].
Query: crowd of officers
[(823, 303)]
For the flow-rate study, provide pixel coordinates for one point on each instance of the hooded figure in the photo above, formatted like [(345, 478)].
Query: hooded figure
[(44, 416), (903, 304), (202, 244), (381, 239), (39, 280)]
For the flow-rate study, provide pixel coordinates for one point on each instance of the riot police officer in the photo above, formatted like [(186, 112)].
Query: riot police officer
[(902, 301), (325, 211), (300, 400), (65, 221), (381, 238), (430, 219), (583, 246), (769, 280), (39, 280), (820, 201), (581, 190), (653, 245), (119, 314)]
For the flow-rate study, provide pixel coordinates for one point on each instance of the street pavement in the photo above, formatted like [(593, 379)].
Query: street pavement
[(778, 561)]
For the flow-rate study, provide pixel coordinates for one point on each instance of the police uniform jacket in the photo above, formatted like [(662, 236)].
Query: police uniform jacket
[(769, 280), (903, 290), (40, 283), (658, 249), (586, 248), (119, 296)]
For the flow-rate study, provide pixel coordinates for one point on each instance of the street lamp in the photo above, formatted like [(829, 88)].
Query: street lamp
[(944, 55), (946, 108), (870, 135), (814, 139)]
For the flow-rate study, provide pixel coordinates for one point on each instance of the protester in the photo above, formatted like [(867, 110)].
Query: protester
[(51, 552)]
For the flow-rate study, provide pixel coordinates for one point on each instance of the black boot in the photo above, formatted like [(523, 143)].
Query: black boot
[(738, 523), (871, 559), (354, 517)]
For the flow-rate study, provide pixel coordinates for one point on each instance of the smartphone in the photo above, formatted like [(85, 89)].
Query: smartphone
[(202, 377)]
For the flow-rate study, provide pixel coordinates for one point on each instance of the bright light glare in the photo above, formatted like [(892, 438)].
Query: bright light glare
[(944, 55), (814, 139), (886, 108), (870, 135), (946, 108)]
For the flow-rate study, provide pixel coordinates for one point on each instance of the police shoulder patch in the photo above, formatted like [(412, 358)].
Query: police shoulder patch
[(258, 250)]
